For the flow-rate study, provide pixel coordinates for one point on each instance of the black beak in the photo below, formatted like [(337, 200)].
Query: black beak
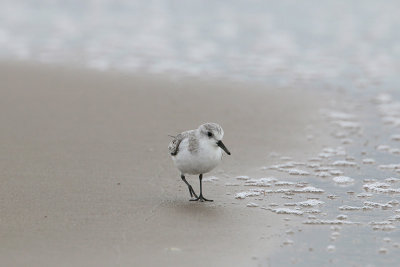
[(221, 145)]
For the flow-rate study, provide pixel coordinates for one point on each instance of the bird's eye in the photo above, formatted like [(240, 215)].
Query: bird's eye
[(210, 134)]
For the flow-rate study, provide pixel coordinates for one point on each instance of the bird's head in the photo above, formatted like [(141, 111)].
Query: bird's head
[(214, 133)]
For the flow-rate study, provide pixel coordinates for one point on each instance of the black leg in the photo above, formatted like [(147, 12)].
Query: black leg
[(191, 191), (201, 198)]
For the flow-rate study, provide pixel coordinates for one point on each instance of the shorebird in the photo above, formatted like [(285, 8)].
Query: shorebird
[(198, 152)]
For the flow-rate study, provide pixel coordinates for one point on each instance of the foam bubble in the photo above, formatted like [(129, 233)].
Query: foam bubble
[(350, 125), (262, 182), (288, 242), (368, 161), (330, 248), (287, 211), (383, 250), (243, 195), (329, 222), (243, 177), (323, 174), (342, 217), (343, 180), (344, 163), (210, 179)]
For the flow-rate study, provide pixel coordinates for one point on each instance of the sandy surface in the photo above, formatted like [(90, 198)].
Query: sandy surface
[(86, 179)]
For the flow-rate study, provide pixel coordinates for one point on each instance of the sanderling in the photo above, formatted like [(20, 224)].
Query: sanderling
[(198, 152)]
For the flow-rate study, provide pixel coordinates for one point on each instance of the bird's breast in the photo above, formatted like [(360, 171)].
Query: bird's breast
[(203, 160)]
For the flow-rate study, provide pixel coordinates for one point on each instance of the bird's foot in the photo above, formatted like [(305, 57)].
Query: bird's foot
[(201, 199), (192, 193)]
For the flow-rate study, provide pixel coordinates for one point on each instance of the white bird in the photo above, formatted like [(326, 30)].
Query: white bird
[(198, 152)]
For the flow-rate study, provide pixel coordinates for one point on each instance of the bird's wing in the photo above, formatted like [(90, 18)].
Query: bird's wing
[(174, 145)]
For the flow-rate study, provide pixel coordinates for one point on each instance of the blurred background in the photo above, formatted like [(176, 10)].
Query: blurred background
[(281, 42)]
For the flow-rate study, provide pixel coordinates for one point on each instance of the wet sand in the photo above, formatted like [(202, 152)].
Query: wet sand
[(86, 179)]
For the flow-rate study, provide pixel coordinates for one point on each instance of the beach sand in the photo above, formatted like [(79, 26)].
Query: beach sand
[(86, 178)]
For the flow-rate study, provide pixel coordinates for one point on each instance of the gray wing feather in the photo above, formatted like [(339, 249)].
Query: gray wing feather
[(174, 145)]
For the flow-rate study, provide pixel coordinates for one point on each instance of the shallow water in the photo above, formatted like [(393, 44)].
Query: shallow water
[(307, 43), (352, 215)]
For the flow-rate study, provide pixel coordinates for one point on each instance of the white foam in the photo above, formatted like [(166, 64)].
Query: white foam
[(281, 166), (347, 141), (231, 184), (314, 159), (383, 148), (323, 174), (350, 125), (379, 187), (287, 211), (392, 180), (364, 195), (323, 169), (343, 180), (312, 211), (338, 115), (284, 183), (243, 195), (301, 184), (330, 152), (383, 250), (387, 239), (290, 232), (344, 163), (342, 217), (313, 165), (288, 242), (335, 228), (243, 177), (336, 234), (252, 205), (332, 196), (330, 248), (378, 205), (394, 218), (262, 182), (325, 155), (395, 151), (310, 203), (307, 189), (368, 161), (383, 226), (381, 223), (352, 208), (395, 137), (336, 172), (329, 222), (210, 179)]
